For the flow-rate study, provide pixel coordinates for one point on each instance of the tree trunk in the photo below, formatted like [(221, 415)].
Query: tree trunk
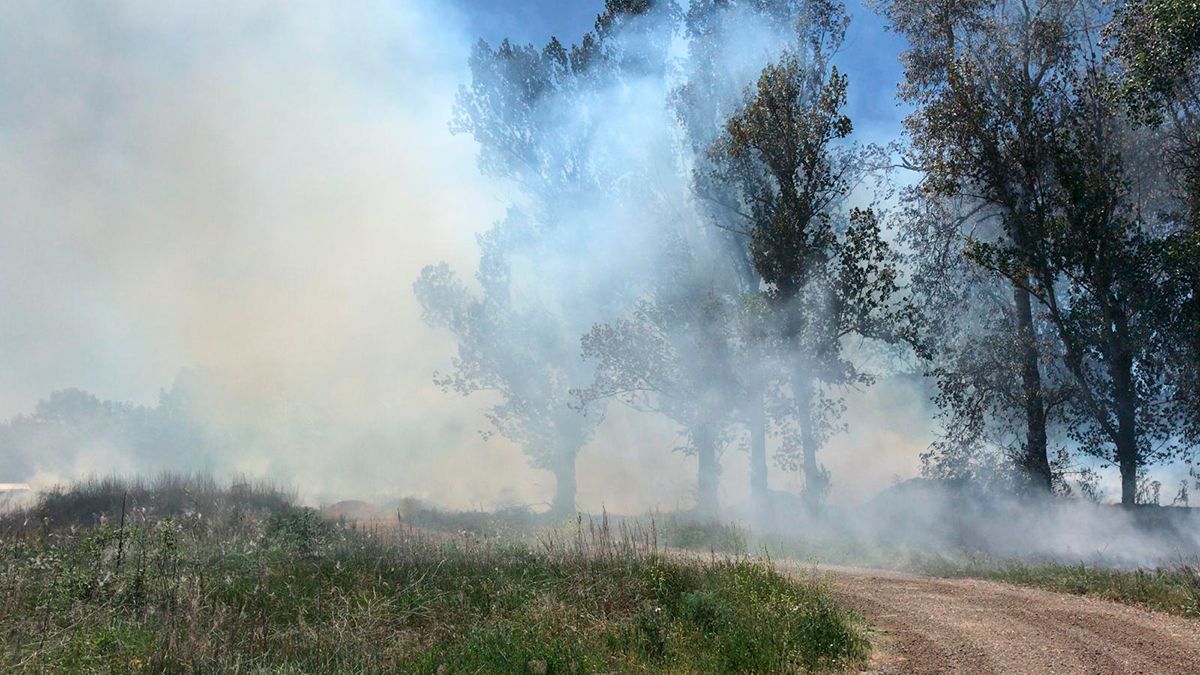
[(1126, 401), (707, 473), (757, 421), (1128, 465), (1036, 461), (564, 483), (814, 481)]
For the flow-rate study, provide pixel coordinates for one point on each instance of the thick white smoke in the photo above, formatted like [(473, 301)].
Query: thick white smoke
[(249, 188)]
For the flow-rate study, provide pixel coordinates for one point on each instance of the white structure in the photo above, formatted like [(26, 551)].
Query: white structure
[(14, 487)]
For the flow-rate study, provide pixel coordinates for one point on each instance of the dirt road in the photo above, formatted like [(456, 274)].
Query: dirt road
[(926, 625)]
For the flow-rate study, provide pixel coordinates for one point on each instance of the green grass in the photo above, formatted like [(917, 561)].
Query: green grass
[(254, 586), (1174, 589)]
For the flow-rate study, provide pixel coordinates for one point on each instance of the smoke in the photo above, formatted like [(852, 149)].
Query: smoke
[(249, 189), (246, 190)]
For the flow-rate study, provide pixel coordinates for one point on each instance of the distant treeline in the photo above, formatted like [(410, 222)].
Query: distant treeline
[(74, 432)]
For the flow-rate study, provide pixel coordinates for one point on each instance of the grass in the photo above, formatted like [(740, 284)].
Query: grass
[(96, 501), (1170, 588), (506, 523), (1174, 589), (257, 584)]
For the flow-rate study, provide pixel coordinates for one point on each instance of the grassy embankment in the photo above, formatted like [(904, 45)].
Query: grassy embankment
[(196, 576), (1174, 589), (1171, 588)]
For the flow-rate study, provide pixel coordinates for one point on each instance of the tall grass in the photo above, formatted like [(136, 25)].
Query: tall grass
[(254, 584), (101, 500)]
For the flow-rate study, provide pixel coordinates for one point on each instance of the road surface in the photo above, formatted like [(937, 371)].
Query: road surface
[(929, 625)]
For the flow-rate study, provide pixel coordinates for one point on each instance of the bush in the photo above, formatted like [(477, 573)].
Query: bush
[(298, 529), (681, 531)]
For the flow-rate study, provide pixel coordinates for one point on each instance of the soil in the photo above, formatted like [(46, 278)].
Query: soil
[(929, 625)]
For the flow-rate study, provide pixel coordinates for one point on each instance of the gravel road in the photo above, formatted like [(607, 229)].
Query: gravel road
[(929, 625)]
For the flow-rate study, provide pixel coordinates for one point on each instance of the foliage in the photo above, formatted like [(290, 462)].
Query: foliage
[(827, 277), (1157, 46), (985, 80), (69, 422), (536, 115), (167, 495), (1032, 167), (1158, 41), (678, 355)]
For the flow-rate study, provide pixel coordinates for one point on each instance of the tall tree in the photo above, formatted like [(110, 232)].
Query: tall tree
[(984, 78), (70, 426), (828, 276), (675, 356), (1107, 288), (502, 348), (973, 347), (535, 114), (718, 70), (1157, 45), (1010, 116)]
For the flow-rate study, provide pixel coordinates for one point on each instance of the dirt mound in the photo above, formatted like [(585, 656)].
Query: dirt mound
[(354, 510)]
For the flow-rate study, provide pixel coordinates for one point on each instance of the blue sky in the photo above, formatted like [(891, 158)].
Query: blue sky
[(531, 20), (870, 55)]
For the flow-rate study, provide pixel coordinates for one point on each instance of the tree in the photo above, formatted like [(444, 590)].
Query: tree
[(501, 348), (64, 425), (1107, 290), (973, 348), (713, 305), (983, 77), (67, 427), (535, 114), (717, 71), (674, 355), (1157, 46), (827, 278), (1010, 116)]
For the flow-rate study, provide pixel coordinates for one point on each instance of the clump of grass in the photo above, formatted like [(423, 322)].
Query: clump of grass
[(516, 521), (685, 532), (281, 589)]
